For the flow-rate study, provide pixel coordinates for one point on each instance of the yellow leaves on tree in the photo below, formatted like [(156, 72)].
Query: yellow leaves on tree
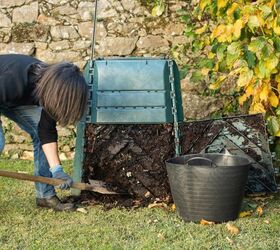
[(276, 26), (245, 44), (231, 10), (246, 75), (221, 4), (203, 4), (273, 99), (201, 30), (238, 25)]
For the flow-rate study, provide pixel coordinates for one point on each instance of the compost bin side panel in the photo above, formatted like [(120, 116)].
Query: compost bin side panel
[(131, 157)]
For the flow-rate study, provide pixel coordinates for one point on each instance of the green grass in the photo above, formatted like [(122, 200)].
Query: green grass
[(23, 226)]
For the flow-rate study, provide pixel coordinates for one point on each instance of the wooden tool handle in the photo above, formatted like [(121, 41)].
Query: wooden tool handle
[(46, 180)]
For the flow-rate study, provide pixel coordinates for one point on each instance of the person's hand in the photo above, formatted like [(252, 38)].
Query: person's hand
[(58, 173)]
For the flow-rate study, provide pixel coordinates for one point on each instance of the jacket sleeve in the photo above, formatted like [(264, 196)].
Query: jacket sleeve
[(47, 128)]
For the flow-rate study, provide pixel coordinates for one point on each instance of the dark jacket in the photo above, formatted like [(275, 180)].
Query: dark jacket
[(17, 83)]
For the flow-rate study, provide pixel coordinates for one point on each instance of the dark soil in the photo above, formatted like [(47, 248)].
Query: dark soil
[(132, 157)]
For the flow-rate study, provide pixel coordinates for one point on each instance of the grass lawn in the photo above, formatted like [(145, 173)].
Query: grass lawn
[(23, 226)]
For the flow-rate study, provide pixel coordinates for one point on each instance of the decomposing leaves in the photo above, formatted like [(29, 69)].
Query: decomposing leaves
[(206, 222), (232, 228), (259, 211), (245, 214), (82, 210), (158, 205), (173, 207), (230, 240)]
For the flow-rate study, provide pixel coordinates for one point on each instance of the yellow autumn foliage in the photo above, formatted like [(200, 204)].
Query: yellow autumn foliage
[(246, 44)]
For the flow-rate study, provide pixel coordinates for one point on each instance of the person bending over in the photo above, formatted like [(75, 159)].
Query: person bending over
[(37, 96)]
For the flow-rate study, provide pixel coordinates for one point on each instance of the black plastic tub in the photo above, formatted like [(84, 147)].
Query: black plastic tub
[(208, 186)]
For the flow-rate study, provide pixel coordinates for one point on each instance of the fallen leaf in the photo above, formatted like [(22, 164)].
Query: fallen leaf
[(160, 205), (245, 214), (173, 208), (161, 236), (229, 240), (259, 211), (206, 222), (82, 210), (232, 229)]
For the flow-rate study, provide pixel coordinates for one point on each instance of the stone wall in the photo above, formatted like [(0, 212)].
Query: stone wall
[(55, 30)]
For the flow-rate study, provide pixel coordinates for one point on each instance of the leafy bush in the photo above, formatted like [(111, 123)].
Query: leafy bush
[(240, 39)]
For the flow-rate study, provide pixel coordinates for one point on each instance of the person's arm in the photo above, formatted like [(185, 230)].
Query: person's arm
[(48, 136), (51, 153)]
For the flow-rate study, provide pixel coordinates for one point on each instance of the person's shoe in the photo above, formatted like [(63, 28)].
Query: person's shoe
[(55, 203)]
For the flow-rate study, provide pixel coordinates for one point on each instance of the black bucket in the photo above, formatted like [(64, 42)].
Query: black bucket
[(208, 186)]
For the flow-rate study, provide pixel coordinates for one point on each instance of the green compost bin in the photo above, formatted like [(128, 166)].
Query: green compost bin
[(133, 91), (129, 91)]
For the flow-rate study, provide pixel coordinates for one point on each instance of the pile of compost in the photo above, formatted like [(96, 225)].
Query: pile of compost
[(131, 158)]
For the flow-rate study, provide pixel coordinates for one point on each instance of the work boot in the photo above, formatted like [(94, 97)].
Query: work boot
[(55, 203)]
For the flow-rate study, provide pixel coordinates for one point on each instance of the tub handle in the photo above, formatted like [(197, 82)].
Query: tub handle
[(206, 160)]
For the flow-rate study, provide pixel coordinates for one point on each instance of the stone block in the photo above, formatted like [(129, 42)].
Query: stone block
[(175, 29), (80, 45), (85, 10), (198, 107), (86, 29), (27, 155), (130, 5), (64, 11), (105, 9), (30, 32), (47, 20), (49, 56), (5, 21), (64, 32), (5, 35), (26, 13), (116, 46), (17, 48), (60, 45), (40, 45), (11, 3), (152, 42)]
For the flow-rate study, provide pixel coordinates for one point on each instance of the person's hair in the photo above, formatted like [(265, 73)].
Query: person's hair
[(62, 92)]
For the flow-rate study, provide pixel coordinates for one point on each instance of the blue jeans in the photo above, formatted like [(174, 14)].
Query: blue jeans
[(27, 118)]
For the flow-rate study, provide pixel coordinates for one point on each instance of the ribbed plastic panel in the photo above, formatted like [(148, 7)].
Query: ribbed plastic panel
[(133, 91)]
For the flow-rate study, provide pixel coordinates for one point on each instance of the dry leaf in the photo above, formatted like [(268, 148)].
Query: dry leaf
[(173, 208), (161, 236), (206, 222), (229, 240), (259, 211), (82, 210), (160, 205), (232, 229), (245, 214)]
